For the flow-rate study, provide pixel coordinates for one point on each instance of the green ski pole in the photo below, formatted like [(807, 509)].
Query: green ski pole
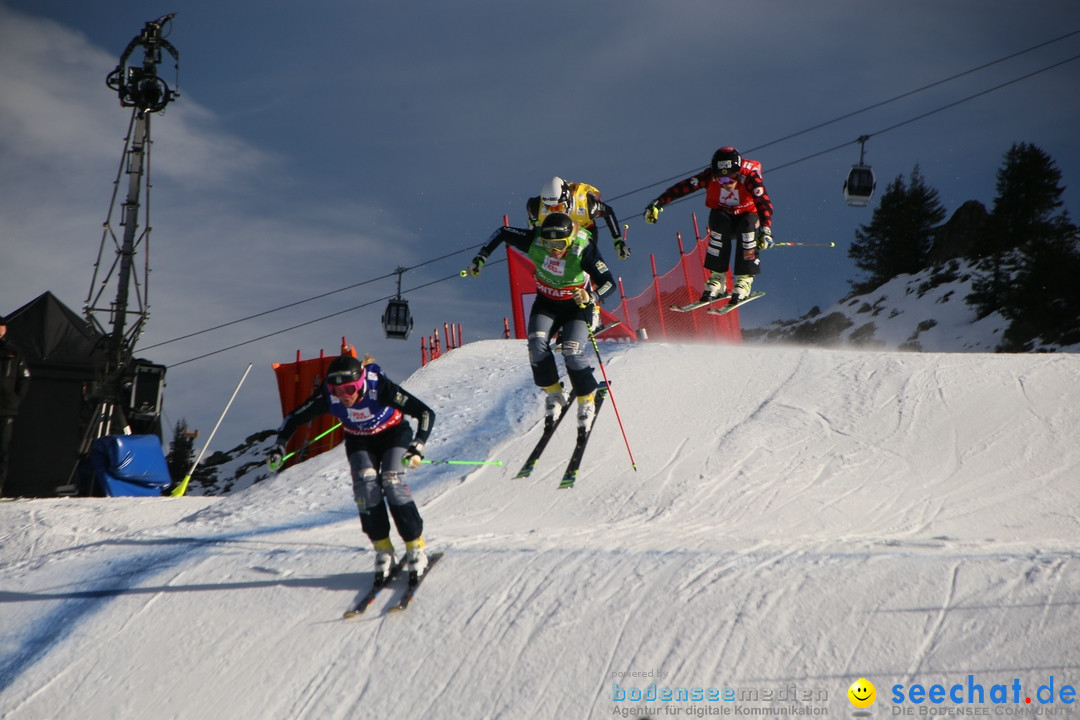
[(497, 463), (318, 437)]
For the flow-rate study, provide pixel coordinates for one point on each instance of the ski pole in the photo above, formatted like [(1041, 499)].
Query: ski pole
[(607, 382), (462, 462), (318, 437), (803, 244), (180, 489)]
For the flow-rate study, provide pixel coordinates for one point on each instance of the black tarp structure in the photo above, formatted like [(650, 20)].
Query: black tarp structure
[(63, 351)]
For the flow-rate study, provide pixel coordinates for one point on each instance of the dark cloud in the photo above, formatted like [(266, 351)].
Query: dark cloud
[(315, 147)]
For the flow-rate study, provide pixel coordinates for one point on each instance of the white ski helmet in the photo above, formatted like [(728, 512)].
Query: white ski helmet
[(555, 192)]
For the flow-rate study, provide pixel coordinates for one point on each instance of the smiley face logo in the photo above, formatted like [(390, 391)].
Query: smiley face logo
[(862, 693)]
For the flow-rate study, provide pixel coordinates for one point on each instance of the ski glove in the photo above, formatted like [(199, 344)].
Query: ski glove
[(583, 296), (621, 248), (764, 238), (476, 265), (275, 456), (652, 213), (413, 455)]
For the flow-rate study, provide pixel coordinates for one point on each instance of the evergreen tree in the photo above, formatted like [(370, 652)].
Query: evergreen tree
[(181, 452), (1031, 254), (900, 234), (1045, 305)]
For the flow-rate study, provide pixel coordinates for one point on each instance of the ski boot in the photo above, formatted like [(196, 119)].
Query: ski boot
[(586, 412), (554, 402), (384, 560), (416, 559), (741, 291), (714, 288)]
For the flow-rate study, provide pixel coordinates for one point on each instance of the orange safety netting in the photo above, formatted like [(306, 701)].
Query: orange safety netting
[(681, 285), (296, 383), (648, 311)]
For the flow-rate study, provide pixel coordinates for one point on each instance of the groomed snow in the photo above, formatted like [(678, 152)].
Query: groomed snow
[(798, 519)]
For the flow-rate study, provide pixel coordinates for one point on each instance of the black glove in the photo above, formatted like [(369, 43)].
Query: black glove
[(621, 248), (413, 455), (275, 456)]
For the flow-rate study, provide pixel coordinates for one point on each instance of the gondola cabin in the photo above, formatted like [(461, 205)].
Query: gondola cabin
[(397, 320), (859, 186)]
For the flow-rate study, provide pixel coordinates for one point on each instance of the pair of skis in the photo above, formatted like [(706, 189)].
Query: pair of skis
[(368, 598), (724, 310), (572, 466)]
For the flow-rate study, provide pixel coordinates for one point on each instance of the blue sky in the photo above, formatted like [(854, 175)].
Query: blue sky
[(314, 148)]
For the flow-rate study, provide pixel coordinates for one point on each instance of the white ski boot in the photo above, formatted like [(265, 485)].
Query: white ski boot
[(586, 411), (416, 559), (714, 287), (741, 291), (554, 402), (384, 560)]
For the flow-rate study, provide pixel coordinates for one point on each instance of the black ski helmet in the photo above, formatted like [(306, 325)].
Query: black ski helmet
[(557, 231), (344, 369), (726, 162)]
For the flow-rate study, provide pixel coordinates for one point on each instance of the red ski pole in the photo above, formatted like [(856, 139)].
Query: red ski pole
[(614, 405)]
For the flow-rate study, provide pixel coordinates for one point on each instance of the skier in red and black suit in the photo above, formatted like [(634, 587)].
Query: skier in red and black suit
[(740, 215)]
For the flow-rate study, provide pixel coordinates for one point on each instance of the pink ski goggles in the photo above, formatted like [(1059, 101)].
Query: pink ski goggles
[(346, 389)]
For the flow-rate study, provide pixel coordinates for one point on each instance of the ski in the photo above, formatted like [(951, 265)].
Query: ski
[(570, 475), (549, 430), (365, 602), (698, 304), (410, 592), (729, 307)]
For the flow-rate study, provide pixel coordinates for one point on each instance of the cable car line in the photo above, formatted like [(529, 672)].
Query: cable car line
[(870, 107), (301, 302), (310, 322), (645, 187), (900, 124), (928, 113)]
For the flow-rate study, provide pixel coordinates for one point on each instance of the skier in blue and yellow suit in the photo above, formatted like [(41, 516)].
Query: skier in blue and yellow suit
[(379, 444), (566, 260)]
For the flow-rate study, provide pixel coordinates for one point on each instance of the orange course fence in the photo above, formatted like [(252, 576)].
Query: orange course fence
[(649, 311), (296, 382)]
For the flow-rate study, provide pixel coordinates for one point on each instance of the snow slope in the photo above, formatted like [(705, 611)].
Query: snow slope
[(926, 311), (798, 519)]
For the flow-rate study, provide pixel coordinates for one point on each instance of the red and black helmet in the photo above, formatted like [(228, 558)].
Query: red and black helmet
[(726, 162)]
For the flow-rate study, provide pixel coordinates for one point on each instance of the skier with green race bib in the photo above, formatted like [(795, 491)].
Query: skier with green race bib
[(565, 262)]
